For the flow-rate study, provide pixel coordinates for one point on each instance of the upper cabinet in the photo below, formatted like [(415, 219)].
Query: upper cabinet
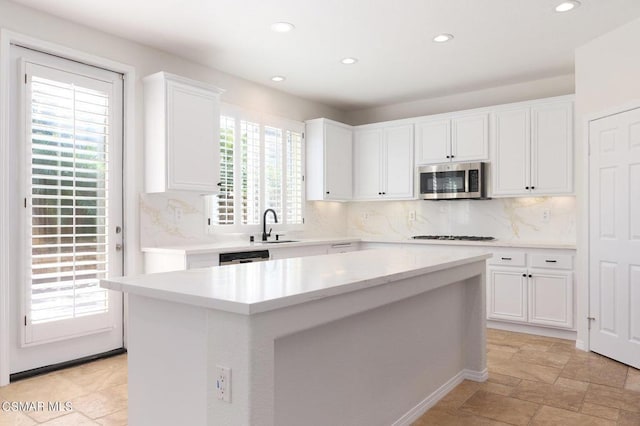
[(383, 163), (182, 134), (532, 152), (329, 160), (456, 137)]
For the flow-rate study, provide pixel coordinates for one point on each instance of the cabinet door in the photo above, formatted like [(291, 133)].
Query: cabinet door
[(193, 132), (398, 156), (337, 162), (470, 138), (551, 298), (552, 148), (433, 142), (367, 164), (510, 153), (507, 294)]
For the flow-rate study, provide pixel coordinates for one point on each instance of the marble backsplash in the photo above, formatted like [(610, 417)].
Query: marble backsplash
[(503, 218), (180, 218)]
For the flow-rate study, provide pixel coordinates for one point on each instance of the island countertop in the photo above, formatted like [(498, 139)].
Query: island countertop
[(264, 286)]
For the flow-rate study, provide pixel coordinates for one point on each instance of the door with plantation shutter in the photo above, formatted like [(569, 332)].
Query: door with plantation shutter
[(72, 199)]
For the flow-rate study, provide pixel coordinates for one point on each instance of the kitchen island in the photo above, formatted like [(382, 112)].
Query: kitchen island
[(373, 337)]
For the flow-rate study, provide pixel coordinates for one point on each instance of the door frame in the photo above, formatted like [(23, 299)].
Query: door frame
[(7, 38), (584, 244)]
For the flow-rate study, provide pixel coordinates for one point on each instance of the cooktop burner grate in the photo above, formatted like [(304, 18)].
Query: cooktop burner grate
[(452, 237)]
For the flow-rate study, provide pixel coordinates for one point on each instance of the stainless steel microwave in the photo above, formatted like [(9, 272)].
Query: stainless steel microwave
[(451, 181)]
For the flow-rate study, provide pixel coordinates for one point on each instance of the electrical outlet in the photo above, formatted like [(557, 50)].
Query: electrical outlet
[(223, 383), (178, 213), (546, 214), (412, 216)]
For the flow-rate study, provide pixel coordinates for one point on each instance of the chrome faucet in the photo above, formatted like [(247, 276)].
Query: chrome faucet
[(264, 223)]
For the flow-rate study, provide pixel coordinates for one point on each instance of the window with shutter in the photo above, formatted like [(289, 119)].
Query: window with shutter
[(262, 166)]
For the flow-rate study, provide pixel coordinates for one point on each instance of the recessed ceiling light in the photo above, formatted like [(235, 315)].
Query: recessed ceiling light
[(442, 38), (278, 78), (566, 6), (282, 27), (349, 61)]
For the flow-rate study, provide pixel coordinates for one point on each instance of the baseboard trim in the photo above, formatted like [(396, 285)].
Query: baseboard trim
[(476, 376), (416, 412), (532, 329), (581, 345)]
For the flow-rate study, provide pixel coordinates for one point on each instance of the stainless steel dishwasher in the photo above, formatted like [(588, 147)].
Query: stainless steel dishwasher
[(243, 257)]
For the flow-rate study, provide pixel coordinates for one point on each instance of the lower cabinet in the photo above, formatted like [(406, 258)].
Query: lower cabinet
[(551, 298), (531, 295), (507, 291)]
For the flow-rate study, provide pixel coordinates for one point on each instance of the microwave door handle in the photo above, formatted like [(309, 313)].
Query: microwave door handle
[(466, 181)]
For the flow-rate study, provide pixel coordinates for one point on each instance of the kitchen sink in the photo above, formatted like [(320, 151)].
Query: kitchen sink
[(279, 241)]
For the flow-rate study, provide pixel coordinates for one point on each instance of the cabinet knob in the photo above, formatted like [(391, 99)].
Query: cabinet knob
[(533, 187), (448, 156), (384, 193), (379, 193), (452, 156), (328, 192), (219, 183), (526, 187), (524, 275), (529, 275)]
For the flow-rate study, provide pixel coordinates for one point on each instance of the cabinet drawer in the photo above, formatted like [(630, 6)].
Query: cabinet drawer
[(508, 258), (552, 261)]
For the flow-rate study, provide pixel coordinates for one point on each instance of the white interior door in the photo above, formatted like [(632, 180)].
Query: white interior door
[(614, 242), (67, 148)]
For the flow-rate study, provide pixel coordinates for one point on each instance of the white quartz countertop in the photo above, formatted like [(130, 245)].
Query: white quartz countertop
[(264, 286), (235, 246), (493, 243)]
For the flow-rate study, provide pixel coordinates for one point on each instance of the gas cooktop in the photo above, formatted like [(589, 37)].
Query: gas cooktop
[(452, 237)]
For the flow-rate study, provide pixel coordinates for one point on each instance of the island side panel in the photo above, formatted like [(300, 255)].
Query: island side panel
[(374, 367), (167, 363)]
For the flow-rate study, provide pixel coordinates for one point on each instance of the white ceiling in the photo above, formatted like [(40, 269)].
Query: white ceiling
[(496, 41)]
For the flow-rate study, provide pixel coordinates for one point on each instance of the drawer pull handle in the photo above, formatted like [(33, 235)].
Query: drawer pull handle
[(505, 258), (551, 261)]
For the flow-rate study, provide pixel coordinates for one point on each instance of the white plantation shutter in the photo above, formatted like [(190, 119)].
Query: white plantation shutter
[(250, 164), (294, 188), (68, 132), (225, 198), (273, 169)]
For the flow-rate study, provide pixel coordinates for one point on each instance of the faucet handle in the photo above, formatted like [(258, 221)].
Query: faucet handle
[(269, 233)]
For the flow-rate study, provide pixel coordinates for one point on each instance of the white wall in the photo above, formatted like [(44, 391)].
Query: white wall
[(607, 76), (544, 88)]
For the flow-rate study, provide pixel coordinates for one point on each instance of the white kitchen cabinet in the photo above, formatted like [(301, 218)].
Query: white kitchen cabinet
[(458, 137), (182, 132), (367, 164), (532, 153), (329, 160), (383, 163), (507, 294), (534, 287), (550, 298)]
